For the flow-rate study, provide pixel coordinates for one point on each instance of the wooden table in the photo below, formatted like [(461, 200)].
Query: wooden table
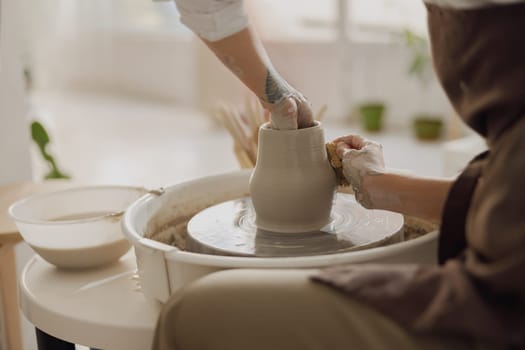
[(9, 237)]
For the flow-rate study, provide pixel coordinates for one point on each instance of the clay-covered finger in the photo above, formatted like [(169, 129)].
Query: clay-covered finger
[(284, 114), (343, 150), (354, 141), (305, 115)]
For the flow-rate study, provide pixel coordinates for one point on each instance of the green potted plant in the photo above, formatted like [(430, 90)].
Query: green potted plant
[(372, 115), (426, 126), (41, 139)]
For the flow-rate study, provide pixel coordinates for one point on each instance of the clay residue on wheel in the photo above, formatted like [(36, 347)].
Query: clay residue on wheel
[(415, 227), (173, 230), (170, 227), (173, 233)]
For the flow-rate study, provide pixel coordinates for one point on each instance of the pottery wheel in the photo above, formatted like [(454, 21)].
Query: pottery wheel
[(229, 228)]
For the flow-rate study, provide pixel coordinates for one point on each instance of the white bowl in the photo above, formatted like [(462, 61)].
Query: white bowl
[(163, 269), (78, 227)]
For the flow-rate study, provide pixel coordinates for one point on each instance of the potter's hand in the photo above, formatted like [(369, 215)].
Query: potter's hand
[(361, 158), (289, 109), (291, 112)]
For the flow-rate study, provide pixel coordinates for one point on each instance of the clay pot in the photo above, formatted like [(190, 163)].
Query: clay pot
[(292, 186)]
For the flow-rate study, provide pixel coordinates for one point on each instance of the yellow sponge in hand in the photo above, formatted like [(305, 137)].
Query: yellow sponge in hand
[(336, 164)]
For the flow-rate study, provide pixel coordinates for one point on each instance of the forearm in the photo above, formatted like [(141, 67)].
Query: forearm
[(224, 27), (246, 57), (414, 196)]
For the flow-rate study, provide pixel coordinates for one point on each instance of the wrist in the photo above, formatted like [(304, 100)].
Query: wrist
[(379, 189)]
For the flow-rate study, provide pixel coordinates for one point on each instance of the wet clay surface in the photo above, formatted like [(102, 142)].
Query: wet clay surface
[(230, 228), (174, 231)]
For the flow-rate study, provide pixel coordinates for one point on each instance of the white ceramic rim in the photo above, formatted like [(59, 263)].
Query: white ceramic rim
[(268, 127), (12, 209), (174, 253)]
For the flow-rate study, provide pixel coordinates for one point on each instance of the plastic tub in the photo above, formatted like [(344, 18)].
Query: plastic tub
[(78, 227), (163, 269)]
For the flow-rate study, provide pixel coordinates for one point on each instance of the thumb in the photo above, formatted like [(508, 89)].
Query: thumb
[(343, 150)]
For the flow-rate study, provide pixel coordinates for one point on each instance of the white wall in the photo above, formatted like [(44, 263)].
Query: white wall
[(15, 165), (14, 129), (164, 67), (374, 71), (137, 64)]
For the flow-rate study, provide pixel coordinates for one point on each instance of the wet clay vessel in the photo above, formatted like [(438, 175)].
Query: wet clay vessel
[(292, 186)]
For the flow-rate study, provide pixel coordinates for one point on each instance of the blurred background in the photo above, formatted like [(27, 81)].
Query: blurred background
[(121, 85), (337, 52), (127, 95)]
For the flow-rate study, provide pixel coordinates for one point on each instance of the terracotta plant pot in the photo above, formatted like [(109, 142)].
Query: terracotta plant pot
[(372, 116), (292, 186), (428, 127)]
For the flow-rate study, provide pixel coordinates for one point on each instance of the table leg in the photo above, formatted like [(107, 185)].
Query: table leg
[(8, 283), (48, 342)]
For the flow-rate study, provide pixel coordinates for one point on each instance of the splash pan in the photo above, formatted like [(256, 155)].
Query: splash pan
[(167, 259), (229, 228)]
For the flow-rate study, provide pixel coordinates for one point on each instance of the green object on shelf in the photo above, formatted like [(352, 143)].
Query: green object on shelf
[(428, 128), (372, 116)]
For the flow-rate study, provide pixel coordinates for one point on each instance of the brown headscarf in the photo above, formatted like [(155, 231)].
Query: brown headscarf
[(478, 291)]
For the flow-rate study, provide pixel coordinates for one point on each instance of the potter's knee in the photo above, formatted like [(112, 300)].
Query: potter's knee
[(213, 290), (185, 312), (244, 278), (204, 305), (237, 289)]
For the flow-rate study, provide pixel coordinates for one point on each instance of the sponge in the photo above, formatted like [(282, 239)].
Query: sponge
[(336, 164)]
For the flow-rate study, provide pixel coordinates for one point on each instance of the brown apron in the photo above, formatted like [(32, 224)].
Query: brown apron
[(478, 291), (452, 238)]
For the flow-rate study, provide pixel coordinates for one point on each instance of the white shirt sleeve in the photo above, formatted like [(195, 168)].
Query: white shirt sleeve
[(213, 19), (466, 4)]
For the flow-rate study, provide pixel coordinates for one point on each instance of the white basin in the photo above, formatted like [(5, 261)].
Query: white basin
[(163, 268)]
